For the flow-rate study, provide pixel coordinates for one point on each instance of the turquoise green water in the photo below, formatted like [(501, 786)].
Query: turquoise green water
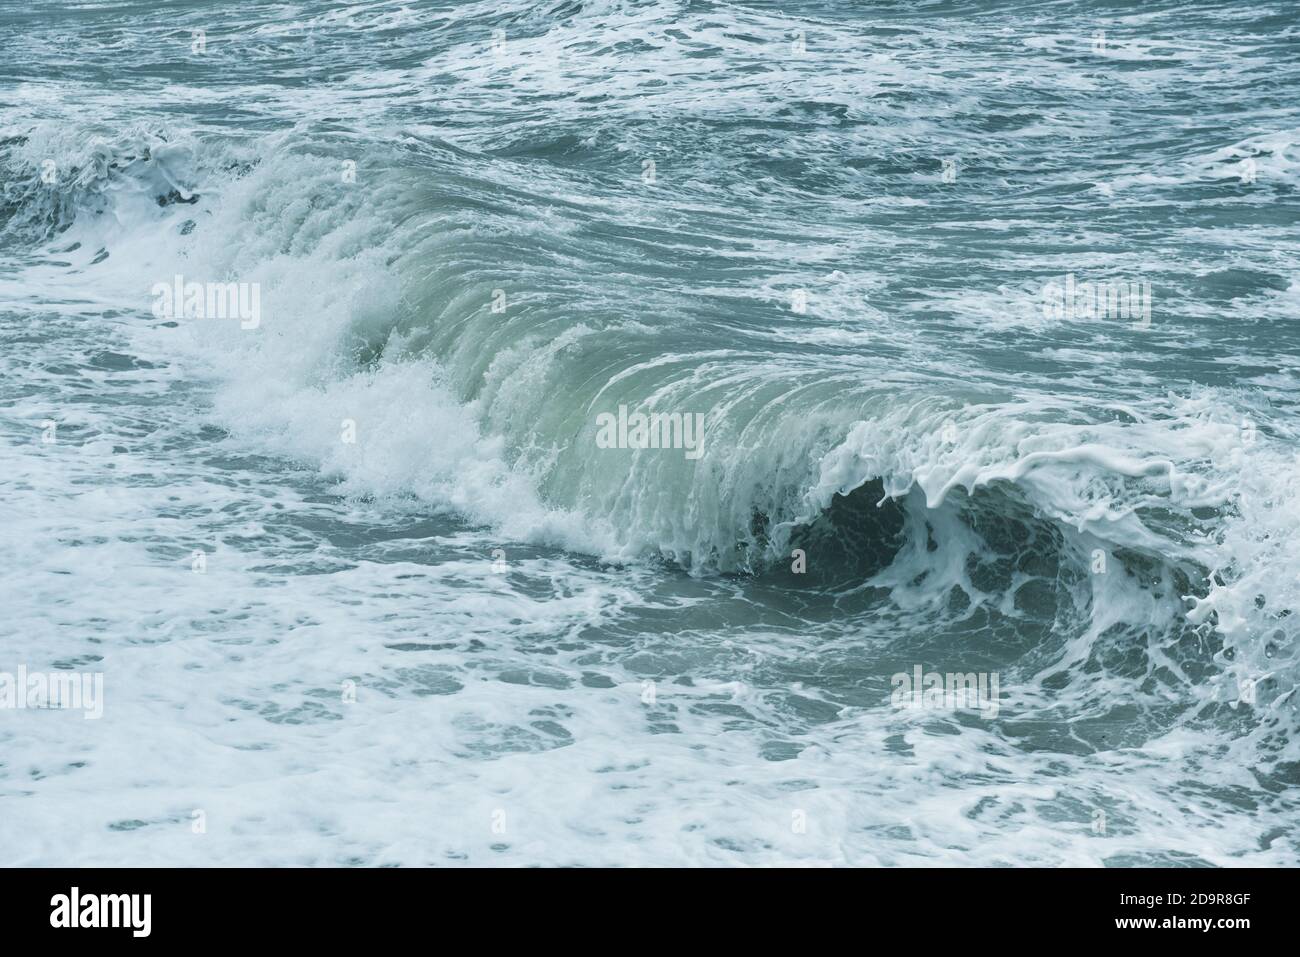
[(438, 619)]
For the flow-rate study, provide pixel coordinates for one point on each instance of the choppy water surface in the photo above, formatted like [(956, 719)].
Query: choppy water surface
[(362, 581)]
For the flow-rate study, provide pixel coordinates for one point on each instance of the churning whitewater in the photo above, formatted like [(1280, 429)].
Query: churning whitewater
[(664, 432)]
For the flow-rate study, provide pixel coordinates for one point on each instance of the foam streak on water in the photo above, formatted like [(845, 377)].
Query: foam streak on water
[(434, 620)]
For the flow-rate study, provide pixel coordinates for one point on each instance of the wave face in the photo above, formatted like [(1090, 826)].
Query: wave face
[(830, 252)]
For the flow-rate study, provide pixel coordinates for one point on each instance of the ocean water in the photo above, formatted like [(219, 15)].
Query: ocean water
[(365, 583)]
